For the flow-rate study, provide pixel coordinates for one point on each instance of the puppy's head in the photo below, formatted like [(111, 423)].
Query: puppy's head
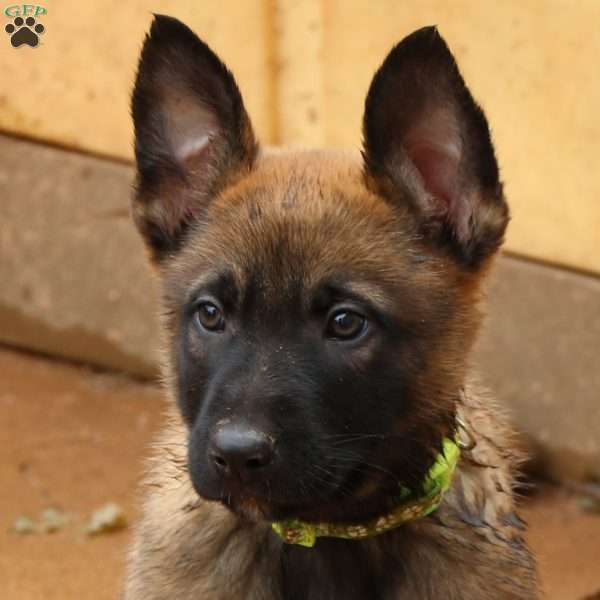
[(319, 307)]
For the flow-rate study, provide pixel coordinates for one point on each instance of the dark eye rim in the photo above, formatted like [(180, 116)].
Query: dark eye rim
[(354, 336), (220, 326)]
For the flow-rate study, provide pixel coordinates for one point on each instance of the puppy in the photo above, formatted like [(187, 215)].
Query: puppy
[(326, 440)]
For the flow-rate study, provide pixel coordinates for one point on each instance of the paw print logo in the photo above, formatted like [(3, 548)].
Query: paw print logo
[(24, 32)]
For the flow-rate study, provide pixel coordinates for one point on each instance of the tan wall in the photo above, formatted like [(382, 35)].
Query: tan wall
[(304, 68), (74, 88)]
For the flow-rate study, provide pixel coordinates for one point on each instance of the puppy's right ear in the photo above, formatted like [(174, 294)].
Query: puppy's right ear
[(427, 146), (192, 133)]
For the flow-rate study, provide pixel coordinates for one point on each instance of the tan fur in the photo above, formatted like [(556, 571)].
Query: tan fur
[(471, 548)]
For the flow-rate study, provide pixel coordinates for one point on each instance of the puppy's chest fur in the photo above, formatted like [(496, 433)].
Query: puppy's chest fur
[(470, 548)]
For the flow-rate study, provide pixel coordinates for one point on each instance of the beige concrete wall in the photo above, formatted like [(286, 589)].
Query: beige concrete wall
[(304, 67), (74, 88)]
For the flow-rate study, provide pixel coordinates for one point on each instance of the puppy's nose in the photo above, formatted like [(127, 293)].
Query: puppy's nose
[(240, 451)]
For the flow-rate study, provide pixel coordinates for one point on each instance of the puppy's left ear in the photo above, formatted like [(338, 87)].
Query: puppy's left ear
[(427, 143), (192, 134)]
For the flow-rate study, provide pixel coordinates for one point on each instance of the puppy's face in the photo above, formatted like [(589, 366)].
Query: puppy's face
[(319, 308)]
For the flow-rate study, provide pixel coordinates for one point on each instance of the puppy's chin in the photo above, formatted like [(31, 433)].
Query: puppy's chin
[(259, 510), (250, 509), (333, 510), (356, 497)]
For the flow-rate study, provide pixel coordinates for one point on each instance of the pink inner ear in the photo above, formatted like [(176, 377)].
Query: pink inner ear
[(190, 126), (191, 130), (435, 147), (439, 173)]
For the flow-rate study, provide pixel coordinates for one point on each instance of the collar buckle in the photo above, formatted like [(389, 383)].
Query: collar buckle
[(462, 428)]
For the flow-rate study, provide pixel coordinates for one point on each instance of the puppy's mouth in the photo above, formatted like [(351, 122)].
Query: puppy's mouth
[(258, 509), (353, 501)]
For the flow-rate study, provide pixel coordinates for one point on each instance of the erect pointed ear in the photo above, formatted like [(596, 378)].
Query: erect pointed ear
[(427, 142), (192, 133)]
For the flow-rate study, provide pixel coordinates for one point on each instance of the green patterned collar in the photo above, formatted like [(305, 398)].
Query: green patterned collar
[(412, 506)]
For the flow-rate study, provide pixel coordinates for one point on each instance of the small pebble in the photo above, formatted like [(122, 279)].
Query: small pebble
[(24, 525), (107, 518), (52, 520)]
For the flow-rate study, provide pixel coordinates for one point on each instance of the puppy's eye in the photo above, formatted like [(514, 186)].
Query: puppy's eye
[(345, 325), (209, 317)]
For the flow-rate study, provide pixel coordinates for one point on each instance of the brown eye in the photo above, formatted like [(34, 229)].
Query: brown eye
[(210, 317), (345, 325)]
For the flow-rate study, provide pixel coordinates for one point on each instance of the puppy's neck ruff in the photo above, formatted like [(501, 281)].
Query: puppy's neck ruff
[(412, 505)]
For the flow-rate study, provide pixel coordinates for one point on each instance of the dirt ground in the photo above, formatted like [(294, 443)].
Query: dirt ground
[(75, 439)]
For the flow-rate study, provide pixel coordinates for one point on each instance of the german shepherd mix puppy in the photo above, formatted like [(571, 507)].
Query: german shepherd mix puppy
[(319, 310)]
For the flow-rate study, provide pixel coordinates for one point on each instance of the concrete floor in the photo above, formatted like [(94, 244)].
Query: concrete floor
[(75, 439)]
